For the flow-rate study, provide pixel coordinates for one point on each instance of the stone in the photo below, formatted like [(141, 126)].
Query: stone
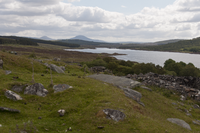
[(135, 95), (182, 98), (146, 88), (18, 88), (115, 115), (13, 96), (9, 110), (56, 59), (56, 68), (179, 122), (1, 64), (196, 122), (0, 125), (196, 106), (61, 112), (8, 72), (36, 89), (116, 80), (63, 68), (61, 87)]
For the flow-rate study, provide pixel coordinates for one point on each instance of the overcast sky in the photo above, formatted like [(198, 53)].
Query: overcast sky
[(108, 20)]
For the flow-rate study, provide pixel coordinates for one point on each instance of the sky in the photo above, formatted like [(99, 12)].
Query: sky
[(108, 20)]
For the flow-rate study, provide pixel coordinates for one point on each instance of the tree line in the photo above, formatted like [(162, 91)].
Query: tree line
[(122, 68)]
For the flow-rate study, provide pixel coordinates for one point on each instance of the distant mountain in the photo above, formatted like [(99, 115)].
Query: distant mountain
[(84, 38), (45, 38)]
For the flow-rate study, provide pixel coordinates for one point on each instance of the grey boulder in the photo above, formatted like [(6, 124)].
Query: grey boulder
[(56, 68), (13, 96), (179, 122), (115, 115), (9, 110), (61, 87), (36, 89)]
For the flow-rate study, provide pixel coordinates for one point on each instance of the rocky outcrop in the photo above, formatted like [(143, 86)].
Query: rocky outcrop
[(1, 64), (9, 110), (13, 96), (186, 86), (36, 89), (122, 83), (115, 80), (115, 115), (61, 87), (180, 122)]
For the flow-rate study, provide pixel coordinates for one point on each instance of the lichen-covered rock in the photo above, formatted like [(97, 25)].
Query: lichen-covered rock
[(36, 89), (114, 114), (179, 122), (13, 96), (61, 87)]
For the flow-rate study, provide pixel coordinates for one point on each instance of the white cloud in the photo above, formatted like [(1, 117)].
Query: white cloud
[(123, 6), (57, 19), (73, 0)]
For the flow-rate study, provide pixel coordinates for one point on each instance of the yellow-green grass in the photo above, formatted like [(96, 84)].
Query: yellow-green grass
[(83, 103)]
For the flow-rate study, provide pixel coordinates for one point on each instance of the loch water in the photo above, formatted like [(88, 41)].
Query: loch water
[(155, 57)]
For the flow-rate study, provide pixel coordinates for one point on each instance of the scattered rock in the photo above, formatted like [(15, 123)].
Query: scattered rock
[(180, 122), (9, 110), (196, 106), (100, 127), (146, 88), (0, 125), (36, 89), (196, 122), (1, 64), (39, 117), (61, 87), (8, 72), (174, 103), (13, 96), (114, 114), (18, 88), (186, 86), (61, 112), (63, 68), (56, 59), (182, 98), (56, 68)]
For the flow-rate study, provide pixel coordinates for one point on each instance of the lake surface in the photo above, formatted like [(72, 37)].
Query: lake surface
[(140, 56)]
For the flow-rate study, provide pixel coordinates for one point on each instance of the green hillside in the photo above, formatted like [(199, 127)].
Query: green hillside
[(192, 46), (83, 103)]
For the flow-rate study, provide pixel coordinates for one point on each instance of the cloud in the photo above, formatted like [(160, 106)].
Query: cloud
[(123, 6), (57, 19), (73, 0)]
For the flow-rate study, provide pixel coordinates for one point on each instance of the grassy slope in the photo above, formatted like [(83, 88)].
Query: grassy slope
[(83, 102)]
